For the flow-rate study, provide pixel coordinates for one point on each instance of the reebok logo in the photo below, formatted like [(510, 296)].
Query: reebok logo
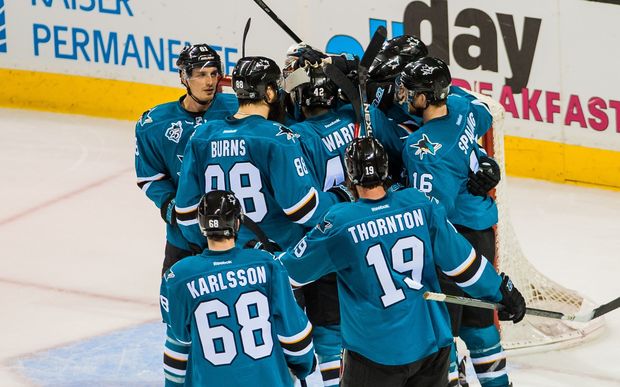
[(2, 28)]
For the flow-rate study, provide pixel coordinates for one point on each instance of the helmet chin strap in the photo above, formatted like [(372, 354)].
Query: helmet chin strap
[(200, 102)]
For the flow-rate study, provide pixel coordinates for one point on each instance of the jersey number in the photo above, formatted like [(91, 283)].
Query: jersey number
[(407, 257), (218, 342), (424, 184), (244, 180)]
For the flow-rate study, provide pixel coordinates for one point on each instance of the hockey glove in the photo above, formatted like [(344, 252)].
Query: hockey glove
[(487, 177), (342, 192), (512, 300), (168, 212), (310, 56), (269, 246)]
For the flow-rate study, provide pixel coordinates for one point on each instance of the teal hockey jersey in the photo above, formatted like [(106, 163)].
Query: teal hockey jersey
[(385, 254), (161, 135), (237, 310), (324, 140), (262, 162), (439, 156)]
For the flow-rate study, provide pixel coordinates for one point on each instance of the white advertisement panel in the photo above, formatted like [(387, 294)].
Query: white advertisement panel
[(552, 64)]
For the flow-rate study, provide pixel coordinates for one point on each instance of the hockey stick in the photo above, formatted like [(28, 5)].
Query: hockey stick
[(357, 94), (278, 21), (245, 35), (369, 56), (584, 317)]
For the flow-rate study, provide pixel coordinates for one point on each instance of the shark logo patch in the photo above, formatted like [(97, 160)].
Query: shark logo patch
[(425, 146), (146, 117), (290, 135)]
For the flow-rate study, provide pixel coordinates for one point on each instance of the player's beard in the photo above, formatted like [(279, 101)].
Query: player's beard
[(276, 111), (416, 111)]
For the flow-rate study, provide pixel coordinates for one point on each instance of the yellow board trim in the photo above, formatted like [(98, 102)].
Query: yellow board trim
[(562, 162), (72, 94)]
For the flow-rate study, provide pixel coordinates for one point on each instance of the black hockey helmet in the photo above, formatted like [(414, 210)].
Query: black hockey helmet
[(198, 56), (394, 55), (366, 162), (219, 214), (320, 91), (252, 75), (429, 76)]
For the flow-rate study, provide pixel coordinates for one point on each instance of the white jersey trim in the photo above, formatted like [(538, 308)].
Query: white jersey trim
[(463, 266), (303, 202), (151, 178), (175, 371), (300, 352), (297, 337), (488, 359), (492, 375)]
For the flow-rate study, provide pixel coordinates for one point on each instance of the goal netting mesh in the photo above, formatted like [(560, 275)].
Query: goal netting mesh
[(533, 333)]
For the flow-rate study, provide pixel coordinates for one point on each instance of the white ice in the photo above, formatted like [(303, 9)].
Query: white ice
[(82, 247)]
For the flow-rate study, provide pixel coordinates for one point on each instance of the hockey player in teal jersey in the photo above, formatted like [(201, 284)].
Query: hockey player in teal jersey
[(163, 131), (444, 160), (384, 250), (325, 133), (235, 308), (260, 160), (161, 135), (388, 131)]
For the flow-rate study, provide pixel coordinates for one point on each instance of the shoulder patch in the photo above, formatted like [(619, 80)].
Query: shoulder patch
[(425, 146), (284, 131), (146, 117), (324, 226), (174, 131)]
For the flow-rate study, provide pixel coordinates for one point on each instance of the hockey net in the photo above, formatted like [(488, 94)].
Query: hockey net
[(533, 334)]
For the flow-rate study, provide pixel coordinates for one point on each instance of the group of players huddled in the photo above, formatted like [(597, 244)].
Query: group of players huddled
[(298, 249)]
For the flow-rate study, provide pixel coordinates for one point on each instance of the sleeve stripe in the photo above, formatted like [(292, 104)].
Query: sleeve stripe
[(178, 365), (299, 344), (459, 281), (174, 379), (297, 337), (187, 222), (181, 216), (159, 176), (304, 209), (186, 216), (186, 209), (174, 371), (145, 187), (301, 352), (175, 355), (488, 359), (496, 365), (463, 266)]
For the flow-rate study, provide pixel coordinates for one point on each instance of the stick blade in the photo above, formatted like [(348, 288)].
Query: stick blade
[(347, 87), (373, 47)]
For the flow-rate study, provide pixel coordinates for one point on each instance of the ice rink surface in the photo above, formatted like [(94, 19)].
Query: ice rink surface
[(82, 249)]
